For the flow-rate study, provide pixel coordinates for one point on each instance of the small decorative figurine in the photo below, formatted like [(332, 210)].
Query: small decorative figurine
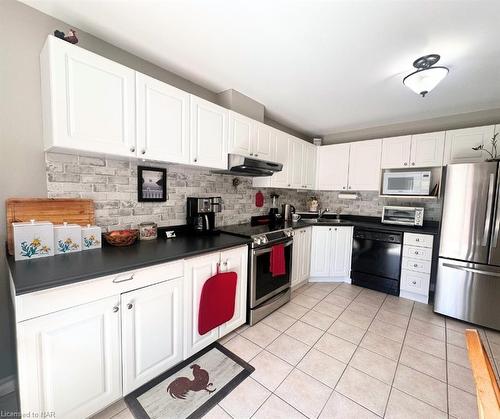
[(71, 37)]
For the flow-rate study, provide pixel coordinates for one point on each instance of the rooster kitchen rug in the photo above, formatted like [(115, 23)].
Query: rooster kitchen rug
[(192, 388)]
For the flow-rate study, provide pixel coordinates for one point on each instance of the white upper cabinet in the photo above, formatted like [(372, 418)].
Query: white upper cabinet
[(364, 165), (162, 121), (69, 361), (241, 130), (459, 143), (427, 149), (88, 101), (209, 133), (296, 162), (396, 152), (280, 179), (262, 144), (333, 167), (152, 332), (309, 173)]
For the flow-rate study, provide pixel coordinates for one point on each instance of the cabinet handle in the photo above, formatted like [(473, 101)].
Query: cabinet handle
[(406, 164), (251, 154), (417, 239), (130, 306), (195, 159), (335, 228), (132, 149), (329, 229), (415, 265), (115, 309), (343, 187), (349, 187), (416, 252), (414, 282), (256, 155), (143, 151), (117, 280), (289, 185), (413, 164)]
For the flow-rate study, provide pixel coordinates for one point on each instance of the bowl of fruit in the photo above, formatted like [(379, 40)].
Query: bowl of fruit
[(121, 237)]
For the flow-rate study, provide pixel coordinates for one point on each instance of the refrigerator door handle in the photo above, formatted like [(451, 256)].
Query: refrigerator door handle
[(475, 271), (489, 209)]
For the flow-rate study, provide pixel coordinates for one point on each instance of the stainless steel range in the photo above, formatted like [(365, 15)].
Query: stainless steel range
[(266, 292)]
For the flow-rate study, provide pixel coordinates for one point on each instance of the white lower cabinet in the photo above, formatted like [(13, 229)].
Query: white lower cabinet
[(69, 362), (197, 271), (301, 258), (151, 332), (331, 250)]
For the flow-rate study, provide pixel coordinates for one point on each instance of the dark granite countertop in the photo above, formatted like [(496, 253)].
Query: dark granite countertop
[(43, 273), (429, 227)]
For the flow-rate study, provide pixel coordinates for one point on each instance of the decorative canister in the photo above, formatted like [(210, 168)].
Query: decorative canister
[(33, 240), (148, 231), (312, 204), (91, 237), (67, 238)]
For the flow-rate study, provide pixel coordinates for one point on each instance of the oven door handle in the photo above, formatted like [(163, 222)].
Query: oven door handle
[(258, 252)]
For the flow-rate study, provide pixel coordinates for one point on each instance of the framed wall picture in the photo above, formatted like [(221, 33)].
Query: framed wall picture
[(151, 184)]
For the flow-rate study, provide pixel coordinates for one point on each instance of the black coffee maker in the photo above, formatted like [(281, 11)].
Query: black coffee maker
[(201, 213)]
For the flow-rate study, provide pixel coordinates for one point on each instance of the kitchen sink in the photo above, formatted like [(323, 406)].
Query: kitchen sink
[(322, 221)]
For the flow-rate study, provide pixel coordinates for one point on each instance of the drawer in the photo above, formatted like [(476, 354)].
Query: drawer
[(422, 253), (422, 240), (417, 265), (415, 282)]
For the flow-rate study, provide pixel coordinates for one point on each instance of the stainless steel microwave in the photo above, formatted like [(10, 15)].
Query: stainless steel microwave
[(407, 183), (411, 216)]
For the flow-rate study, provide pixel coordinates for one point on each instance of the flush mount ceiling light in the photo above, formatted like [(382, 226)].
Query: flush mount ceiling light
[(426, 77)]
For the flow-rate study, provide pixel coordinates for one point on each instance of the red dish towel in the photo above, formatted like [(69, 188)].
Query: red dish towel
[(217, 301), (277, 260)]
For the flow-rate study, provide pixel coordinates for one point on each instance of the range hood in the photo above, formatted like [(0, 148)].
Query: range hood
[(245, 166)]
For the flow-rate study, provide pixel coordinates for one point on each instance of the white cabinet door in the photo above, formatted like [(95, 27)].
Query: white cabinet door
[(364, 165), (75, 356), (341, 252), (396, 152), (305, 254), (88, 101), (309, 166), (197, 271), (240, 134), (427, 149), (262, 146), (321, 251), (280, 179), (162, 121), (151, 332), (333, 167), (236, 260), (297, 257), (459, 143), (209, 134), (295, 157)]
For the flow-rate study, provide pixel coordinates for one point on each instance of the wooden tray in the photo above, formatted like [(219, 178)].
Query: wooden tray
[(57, 211)]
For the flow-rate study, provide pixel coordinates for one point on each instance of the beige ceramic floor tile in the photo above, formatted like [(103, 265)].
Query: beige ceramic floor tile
[(392, 318), (293, 310), (305, 333), (381, 345), (227, 338), (398, 305), (276, 408), (242, 328), (427, 329), (428, 317), (423, 362), (124, 414), (112, 410), (493, 336), (365, 390), (279, 321), (322, 367), (304, 393), (426, 344), (315, 292), (376, 366), (336, 347), (461, 378), (340, 407), (305, 301), (421, 386), (242, 347), (375, 300), (289, 349), (216, 413), (347, 331), (355, 319), (261, 334), (462, 404), (387, 330), (350, 293), (245, 399), (404, 406), (319, 320), (329, 309), (270, 370), (337, 300), (460, 326), (458, 356), (455, 338), (364, 309)]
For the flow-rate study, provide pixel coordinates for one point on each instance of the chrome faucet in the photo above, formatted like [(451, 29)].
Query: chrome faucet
[(322, 212), (337, 213)]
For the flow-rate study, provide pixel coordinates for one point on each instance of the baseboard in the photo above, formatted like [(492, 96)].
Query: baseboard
[(330, 279), (7, 385)]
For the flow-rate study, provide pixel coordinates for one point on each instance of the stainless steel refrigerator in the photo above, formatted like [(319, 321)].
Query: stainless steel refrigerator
[(468, 275)]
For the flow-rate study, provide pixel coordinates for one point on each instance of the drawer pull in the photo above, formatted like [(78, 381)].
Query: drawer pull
[(417, 240), (416, 252), (130, 306), (115, 309), (415, 265), (118, 280), (414, 282)]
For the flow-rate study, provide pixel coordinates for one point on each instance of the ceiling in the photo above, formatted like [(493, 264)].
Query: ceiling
[(319, 66)]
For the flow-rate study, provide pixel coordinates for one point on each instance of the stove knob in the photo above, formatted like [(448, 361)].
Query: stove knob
[(289, 233), (263, 239), (257, 241)]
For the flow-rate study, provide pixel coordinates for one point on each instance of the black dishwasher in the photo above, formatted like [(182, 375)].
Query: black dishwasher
[(376, 259)]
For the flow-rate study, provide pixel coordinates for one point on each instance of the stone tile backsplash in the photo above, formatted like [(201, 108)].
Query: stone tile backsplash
[(112, 184)]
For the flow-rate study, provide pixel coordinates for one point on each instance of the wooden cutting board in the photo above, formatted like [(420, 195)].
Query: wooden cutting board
[(55, 210)]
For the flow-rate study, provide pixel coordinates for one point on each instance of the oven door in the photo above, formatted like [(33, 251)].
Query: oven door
[(262, 283)]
